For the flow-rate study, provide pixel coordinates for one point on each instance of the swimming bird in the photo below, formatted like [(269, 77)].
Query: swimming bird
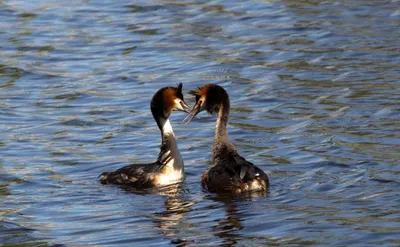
[(230, 173), (168, 169)]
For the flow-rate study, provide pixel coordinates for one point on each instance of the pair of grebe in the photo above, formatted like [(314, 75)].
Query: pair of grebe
[(230, 172)]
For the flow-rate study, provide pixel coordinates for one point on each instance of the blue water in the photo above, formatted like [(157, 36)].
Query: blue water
[(315, 93)]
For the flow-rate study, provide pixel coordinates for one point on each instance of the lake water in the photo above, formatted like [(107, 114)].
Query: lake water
[(315, 96)]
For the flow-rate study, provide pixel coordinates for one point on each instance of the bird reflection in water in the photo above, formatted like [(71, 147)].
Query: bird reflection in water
[(228, 228), (169, 222)]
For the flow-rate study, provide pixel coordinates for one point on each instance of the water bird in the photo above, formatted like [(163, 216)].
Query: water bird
[(230, 173), (168, 169)]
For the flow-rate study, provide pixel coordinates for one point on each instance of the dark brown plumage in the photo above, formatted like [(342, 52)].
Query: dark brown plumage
[(231, 173)]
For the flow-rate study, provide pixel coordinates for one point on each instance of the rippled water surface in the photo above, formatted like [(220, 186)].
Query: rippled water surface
[(315, 93)]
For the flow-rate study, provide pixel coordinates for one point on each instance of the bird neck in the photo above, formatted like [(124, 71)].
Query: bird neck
[(169, 155), (221, 138)]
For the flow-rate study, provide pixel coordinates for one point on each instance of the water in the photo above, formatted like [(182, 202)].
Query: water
[(315, 94)]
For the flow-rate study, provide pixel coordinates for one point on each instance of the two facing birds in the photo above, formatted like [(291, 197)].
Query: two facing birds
[(230, 173)]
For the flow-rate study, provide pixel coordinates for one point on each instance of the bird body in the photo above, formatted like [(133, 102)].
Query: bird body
[(168, 169), (230, 172)]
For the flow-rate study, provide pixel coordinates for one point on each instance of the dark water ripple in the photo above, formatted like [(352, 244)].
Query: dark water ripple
[(315, 95)]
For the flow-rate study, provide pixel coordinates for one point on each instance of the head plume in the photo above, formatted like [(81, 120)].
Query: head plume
[(209, 97), (166, 100), (212, 95)]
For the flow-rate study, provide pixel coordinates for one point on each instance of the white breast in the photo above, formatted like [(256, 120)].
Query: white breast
[(170, 177)]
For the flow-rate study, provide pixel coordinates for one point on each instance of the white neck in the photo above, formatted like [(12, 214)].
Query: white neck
[(170, 157), (166, 127), (168, 136)]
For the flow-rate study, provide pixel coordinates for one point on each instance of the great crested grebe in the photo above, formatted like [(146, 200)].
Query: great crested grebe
[(230, 173), (168, 169)]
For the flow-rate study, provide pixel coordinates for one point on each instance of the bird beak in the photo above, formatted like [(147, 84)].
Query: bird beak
[(185, 107), (192, 113)]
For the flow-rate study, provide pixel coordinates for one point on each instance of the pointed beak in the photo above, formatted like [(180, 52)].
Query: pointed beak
[(192, 113), (185, 107)]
